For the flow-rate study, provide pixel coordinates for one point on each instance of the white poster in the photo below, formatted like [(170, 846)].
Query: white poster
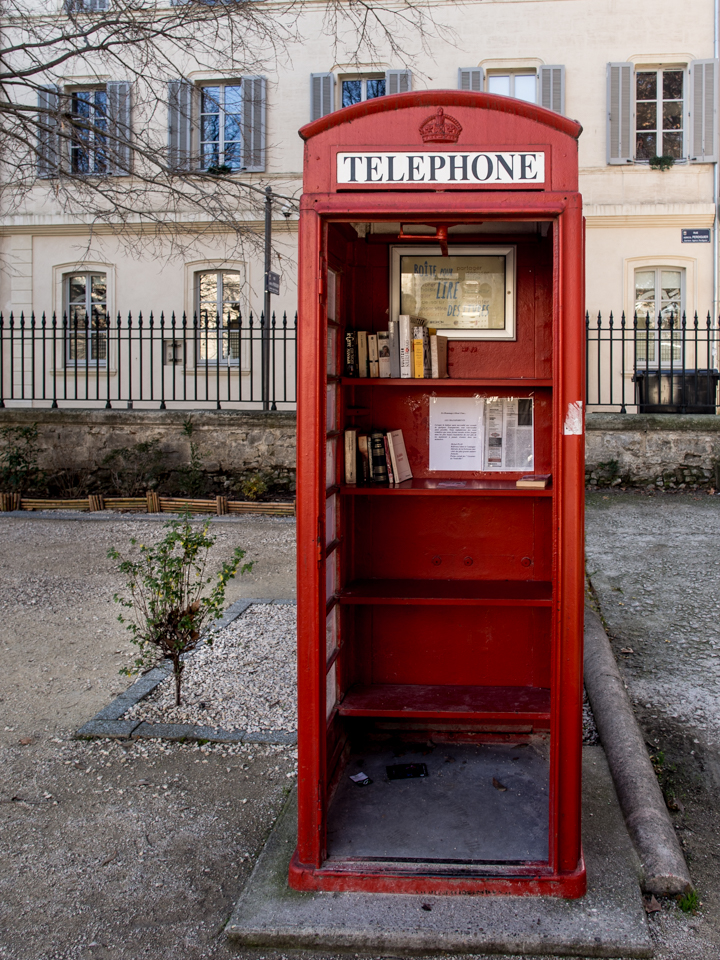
[(456, 433), (509, 435)]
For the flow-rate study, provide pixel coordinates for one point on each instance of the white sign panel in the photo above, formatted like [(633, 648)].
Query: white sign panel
[(462, 168), (456, 433)]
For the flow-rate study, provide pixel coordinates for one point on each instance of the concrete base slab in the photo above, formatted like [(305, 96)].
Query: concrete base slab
[(608, 922)]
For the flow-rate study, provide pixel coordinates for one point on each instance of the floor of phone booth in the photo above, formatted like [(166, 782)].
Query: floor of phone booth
[(479, 803)]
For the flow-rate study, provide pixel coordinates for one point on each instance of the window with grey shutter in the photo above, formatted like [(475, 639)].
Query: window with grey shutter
[(180, 102), (48, 154), (119, 128), (322, 94), (398, 81), (471, 78), (703, 111), (620, 146), (552, 88), (253, 98)]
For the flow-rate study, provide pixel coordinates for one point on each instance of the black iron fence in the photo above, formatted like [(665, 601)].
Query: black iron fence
[(652, 364), (220, 361)]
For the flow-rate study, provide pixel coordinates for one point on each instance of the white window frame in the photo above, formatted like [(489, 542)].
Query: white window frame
[(659, 131), (511, 74), (218, 335), (659, 355), (363, 78), (75, 148), (222, 87), (88, 361)]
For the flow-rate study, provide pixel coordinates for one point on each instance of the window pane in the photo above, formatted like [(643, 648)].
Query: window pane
[(330, 691), (646, 116), (646, 146), (331, 631), (501, 85), (233, 98), (351, 92), (98, 288), (232, 155), (208, 286), (647, 85), (525, 88), (210, 100), (210, 128), (232, 127), (672, 84), (330, 462), (375, 88), (76, 289), (330, 520), (672, 115), (673, 145), (231, 286), (81, 104)]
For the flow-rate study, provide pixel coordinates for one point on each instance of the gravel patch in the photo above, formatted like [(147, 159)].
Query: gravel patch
[(245, 681)]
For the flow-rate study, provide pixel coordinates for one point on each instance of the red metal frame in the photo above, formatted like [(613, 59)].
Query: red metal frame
[(391, 123)]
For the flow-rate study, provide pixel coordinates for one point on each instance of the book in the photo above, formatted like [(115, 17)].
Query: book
[(438, 356), (394, 333), (350, 456), (405, 345), (534, 481), (388, 461), (421, 366), (362, 347), (351, 369), (377, 457), (417, 363), (373, 365), (363, 459), (384, 362), (398, 456)]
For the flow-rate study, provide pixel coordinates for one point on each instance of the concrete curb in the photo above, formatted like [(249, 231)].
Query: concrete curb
[(641, 800), (108, 722)]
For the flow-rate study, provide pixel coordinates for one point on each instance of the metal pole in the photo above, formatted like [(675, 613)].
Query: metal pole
[(266, 323)]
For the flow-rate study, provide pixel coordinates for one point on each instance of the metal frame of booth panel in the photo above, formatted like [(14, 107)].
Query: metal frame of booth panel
[(564, 872)]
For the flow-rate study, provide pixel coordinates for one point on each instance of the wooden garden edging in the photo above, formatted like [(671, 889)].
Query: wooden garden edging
[(150, 503)]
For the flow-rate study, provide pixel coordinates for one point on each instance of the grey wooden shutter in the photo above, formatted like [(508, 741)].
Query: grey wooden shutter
[(552, 88), (322, 94), (48, 144), (620, 113), (180, 101), (253, 121), (471, 78), (398, 81), (119, 128), (703, 132)]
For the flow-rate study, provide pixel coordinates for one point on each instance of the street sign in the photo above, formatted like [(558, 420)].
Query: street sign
[(696, 236), (272, 282)]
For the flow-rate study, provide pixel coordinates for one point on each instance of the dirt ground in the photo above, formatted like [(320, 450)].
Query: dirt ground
[(119, 851)]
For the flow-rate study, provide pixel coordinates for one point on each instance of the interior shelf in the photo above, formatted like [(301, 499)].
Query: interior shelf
[(446, 488), (446, 382), (532, 704), (499, 593)]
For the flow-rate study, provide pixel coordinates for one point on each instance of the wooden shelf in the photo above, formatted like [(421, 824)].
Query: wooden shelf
[(530, 704), (493, 593), (445, 488), (446, 382)]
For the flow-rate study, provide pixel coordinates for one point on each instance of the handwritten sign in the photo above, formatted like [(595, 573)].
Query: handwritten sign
[(408, 169)]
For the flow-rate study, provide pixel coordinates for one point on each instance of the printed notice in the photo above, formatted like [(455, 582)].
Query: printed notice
[(456, 433), (509, 435)]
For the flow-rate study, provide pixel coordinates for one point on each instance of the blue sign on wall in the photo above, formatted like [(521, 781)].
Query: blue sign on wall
[(696, 236)]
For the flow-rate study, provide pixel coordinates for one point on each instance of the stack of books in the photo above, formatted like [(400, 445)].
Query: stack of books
[(378, 456), (408, 349)]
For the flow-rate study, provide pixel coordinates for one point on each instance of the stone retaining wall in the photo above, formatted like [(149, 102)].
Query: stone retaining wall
[(670, 451)]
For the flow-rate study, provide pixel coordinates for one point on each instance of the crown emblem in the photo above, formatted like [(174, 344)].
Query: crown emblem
[(440, 129)]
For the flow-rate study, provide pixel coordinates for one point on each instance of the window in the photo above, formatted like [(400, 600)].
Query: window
[(218, 316), (221, 127), (522, 86), (659, 110), (659, 298), (356, 89), (86, 317), (88, 144)]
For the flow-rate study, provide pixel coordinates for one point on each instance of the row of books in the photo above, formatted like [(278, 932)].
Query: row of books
[(408, 349), (378, 456)]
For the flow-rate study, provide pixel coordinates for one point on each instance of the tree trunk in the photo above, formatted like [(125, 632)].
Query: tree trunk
[(177, 670)]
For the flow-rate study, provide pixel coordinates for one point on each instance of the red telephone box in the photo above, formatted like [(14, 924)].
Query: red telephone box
[(440, 619)]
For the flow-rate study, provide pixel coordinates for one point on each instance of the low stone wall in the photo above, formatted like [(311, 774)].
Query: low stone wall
[(669, 451), (230, 444)]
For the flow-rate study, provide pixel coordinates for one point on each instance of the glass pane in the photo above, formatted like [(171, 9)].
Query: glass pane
[(77, 344), (646, 116), (330, 691), (330, 520), (646, 146), (81, 104), (672, 84), (331, 575), (331, 462), (351, 92), (672, 115), (673, 144), (232, 155), (208, 287), (76, 289), (210, 155), (98, 288), (233, 128), (332, 337), (646, 85), (375, 88), (233, 98), (645, 297), (331, 417), (331, 631), (499, 84), (77, 319), (98, 318), (210, 128), (231, 286), (210, 100), (98, 347), (525, 88)]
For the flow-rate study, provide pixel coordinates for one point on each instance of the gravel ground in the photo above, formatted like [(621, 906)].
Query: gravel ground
[(654, 562), (245, 681)]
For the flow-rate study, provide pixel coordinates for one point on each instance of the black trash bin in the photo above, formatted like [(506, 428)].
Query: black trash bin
[(676, 391)]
